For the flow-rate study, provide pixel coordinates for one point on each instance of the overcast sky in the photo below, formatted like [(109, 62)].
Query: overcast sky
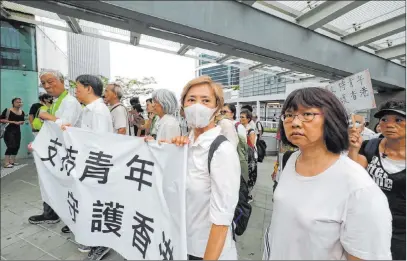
[(170, 71)]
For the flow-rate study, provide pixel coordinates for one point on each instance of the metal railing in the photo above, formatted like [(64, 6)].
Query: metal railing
[(269, 124)]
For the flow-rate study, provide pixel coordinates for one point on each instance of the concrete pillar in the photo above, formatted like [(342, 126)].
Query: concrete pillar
[(258, 109), (238, 111)]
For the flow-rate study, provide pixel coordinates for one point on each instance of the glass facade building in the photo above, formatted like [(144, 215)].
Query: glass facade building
[(226, 75), (18, 50), (255, 84), (19, 73)]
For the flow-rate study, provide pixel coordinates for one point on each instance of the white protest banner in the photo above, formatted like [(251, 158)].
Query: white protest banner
[(355, 92), (115, 191)]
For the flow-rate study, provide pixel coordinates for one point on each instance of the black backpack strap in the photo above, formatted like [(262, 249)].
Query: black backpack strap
[(214, 146), (286, 156), (369, 148)]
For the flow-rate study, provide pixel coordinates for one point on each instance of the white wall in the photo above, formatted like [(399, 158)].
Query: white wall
[(52, 49), (88, 55)]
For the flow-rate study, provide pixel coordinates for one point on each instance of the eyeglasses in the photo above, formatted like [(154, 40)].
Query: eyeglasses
[(305, 117), (224, 112)]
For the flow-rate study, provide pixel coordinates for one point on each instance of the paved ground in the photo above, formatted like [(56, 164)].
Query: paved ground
[(21, 198)]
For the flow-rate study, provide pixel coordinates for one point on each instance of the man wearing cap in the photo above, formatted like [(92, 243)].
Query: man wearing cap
[(385, 161)]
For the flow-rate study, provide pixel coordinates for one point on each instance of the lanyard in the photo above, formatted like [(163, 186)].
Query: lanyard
[(55, 106)]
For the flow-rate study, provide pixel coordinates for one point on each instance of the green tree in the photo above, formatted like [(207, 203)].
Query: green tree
[(135, 87), (104, 79)]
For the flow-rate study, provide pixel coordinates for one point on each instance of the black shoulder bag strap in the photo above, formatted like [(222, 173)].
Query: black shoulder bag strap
[(214, 146), (370, 148), (286, 156)]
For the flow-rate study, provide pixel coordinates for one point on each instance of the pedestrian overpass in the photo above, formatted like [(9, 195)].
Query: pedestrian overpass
[(295, 39)]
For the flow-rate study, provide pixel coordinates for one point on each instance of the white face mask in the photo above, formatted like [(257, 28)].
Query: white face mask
[(198, 115)]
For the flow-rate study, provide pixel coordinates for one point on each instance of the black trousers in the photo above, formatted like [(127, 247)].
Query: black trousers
[(48, 211), (12, 139)]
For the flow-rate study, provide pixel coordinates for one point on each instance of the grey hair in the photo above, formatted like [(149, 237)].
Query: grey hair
[(167, 100), (117, 89), (55, 73)]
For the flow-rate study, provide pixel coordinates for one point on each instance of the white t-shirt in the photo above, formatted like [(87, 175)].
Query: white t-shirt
[(241, 130), (229, 131), (323, 217), (211, 198), (248, 128), (96, 117), (368, 134), (392, 166), (120, 118), (167, 128), (253, 126), (69, 111)]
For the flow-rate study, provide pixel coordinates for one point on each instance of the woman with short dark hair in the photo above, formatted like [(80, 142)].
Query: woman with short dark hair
[(325, 205), (14, 118), (385, 161)]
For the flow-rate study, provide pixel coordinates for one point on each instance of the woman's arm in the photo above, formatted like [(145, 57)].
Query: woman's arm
[(252, 138), (216, 241), (355, 143), (225, 184), (350, 257)]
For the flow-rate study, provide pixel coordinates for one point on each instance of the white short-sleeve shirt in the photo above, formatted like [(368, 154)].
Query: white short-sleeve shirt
[(96, 117), (326, 216), (69, 111), (211, 198), (229, 131), (120, 118), (241, 130), (167, 128)]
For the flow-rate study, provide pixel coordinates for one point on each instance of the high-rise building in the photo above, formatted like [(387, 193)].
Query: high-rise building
[(255, 84), (226, 75), (88, 55)]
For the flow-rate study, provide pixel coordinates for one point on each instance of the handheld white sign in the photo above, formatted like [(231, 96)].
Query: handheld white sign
[(355, 92)]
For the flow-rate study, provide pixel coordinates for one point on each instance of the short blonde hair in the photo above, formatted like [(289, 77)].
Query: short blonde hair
[(216, 88)]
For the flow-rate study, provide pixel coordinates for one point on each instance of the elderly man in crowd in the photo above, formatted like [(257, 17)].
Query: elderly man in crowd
[(365, 132), (64, 110), (113, 95)]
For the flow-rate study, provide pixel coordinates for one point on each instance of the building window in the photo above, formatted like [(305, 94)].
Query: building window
[(17, 48)]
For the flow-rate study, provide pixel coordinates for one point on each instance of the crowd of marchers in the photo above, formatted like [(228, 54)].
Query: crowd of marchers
[(340, 195)]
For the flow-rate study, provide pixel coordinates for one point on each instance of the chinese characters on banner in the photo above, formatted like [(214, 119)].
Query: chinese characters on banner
[(355, 92), (111, 190)]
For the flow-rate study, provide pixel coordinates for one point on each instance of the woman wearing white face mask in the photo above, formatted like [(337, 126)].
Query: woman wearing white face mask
[(211, 195)]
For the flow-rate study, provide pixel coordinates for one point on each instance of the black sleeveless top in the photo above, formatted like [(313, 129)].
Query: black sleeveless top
[(394, 187)]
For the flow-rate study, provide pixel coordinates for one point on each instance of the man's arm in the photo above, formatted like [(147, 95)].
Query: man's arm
[(46, 116), (71, 113), (120, 120), (30, 119)]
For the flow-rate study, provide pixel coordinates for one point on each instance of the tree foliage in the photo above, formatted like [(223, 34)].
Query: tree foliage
[(131, 86), (134, 87)]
